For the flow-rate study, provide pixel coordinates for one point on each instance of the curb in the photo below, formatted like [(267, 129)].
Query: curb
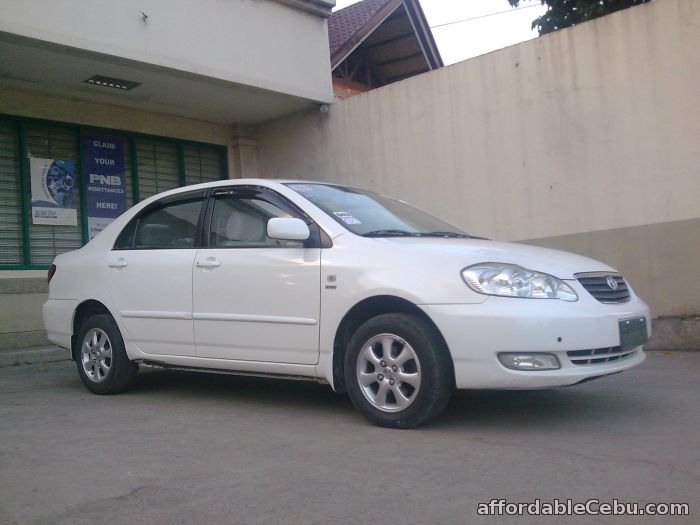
[(33, 356)]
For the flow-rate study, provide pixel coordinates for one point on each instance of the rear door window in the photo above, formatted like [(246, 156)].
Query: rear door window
[(167, 226)]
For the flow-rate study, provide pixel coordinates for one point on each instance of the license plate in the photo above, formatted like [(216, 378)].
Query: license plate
[(633, 332)]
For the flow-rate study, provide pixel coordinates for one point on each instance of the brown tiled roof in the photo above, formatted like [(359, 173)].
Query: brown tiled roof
[(345, 23)]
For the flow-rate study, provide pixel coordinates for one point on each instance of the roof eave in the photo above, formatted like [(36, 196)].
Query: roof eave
[(348, 47), (420, 25), (317, 7), (424, 34)]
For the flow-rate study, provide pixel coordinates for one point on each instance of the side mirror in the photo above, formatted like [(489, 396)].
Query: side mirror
[(287, 229)]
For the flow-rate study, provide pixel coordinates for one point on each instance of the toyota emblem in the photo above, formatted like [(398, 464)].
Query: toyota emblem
[(611, 282)]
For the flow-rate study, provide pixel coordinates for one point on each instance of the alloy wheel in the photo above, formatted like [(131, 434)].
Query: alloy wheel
[(96, 355), (388, 372)]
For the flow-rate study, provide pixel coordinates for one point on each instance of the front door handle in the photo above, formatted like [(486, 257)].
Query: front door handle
[(208, 263), (119, 263)]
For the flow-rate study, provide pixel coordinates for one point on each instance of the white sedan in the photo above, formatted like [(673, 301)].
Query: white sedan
[(296, 279)]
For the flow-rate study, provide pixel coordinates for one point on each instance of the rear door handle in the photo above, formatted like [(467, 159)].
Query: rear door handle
[(208, 263), (119, 263)]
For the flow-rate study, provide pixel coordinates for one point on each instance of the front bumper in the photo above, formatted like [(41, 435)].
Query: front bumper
[(476, 333)]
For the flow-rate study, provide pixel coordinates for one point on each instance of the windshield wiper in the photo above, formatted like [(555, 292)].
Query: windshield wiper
[(445, 234), (390, 233)]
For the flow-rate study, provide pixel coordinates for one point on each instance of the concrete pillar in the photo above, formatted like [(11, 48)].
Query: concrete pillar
[(244, 154)]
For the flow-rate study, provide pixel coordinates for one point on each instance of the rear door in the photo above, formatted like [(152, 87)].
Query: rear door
[(150, 274), (255, 298)]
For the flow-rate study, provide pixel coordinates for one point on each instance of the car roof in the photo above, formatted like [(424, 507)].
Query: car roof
[(243, 182)]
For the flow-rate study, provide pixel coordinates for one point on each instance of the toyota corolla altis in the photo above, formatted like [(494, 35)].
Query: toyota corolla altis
[(296, 279)]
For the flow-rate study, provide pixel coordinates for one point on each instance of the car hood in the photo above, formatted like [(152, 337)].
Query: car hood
[(466, 252)]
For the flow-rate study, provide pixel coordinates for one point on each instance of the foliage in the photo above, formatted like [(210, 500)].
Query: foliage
[(565, 13)]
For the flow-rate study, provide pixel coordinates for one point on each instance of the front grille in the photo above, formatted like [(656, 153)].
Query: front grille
[(599, 355), (597, 285)]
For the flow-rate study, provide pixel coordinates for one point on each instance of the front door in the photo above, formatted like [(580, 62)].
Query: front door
[(150, 276), (254, 298)]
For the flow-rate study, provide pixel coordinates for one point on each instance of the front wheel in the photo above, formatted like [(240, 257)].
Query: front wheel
[(102, 362), (398, 371)]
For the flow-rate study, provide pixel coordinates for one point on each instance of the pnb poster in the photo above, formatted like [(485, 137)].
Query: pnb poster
[(104, 181), (53, 192)]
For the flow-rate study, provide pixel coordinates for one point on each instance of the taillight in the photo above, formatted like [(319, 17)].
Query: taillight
[(52, 271)]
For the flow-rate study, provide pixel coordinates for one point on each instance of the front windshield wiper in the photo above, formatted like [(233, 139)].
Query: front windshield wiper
[(445, 234), (404, 233), (390, 233)]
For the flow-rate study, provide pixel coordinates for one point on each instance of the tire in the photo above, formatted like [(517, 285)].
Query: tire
[(103, 365), (409, 385)]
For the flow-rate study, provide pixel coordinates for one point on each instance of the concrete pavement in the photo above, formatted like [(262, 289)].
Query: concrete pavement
[(200, 448)]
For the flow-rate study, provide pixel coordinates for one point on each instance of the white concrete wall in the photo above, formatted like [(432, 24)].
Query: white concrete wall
[(588, 129), (261, 43)]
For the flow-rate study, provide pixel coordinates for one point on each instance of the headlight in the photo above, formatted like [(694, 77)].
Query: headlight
[(511, 280)]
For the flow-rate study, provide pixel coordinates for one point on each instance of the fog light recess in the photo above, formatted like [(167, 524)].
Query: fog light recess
[(529, 361)]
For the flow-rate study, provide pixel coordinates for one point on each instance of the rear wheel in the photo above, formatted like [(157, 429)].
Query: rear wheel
[(102, 362), (398, 371)]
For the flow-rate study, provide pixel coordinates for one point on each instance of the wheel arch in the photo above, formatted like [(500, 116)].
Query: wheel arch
[(84, 310), (361, 312)]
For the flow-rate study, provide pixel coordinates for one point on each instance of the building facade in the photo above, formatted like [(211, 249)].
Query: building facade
[(103, 104)]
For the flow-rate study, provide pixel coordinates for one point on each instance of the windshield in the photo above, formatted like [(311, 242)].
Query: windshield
[(373, 215)]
